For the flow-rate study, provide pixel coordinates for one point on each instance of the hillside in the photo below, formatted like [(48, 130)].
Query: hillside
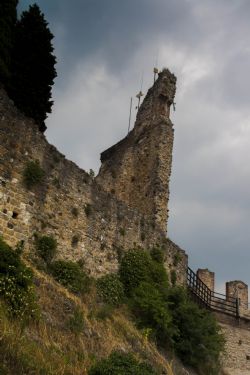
[(60, 342)]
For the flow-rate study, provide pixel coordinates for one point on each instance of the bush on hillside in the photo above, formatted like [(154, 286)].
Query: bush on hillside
[(46, 247), (70, 275), (122, 364), (137, 266), (110, 289), (152, 311), (198, 341), (173, 319), (16, 286)]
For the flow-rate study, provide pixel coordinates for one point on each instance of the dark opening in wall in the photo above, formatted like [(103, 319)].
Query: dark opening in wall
[(5, 211), (15, 215)]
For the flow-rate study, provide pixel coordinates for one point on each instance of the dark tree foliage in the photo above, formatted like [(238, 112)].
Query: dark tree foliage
[(8, 18), (33, 69)]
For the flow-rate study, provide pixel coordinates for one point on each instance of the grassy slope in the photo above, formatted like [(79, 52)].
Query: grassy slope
[(50, 347)]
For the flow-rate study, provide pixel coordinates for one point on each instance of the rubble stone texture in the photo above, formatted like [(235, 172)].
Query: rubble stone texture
[(207, 277)]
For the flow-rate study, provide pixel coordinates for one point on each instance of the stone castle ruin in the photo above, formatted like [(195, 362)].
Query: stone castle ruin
[(126, 205), (94, 219)]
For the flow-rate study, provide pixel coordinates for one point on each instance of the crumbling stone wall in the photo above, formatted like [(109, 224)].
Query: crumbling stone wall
[(137, 169), (89, 221), (236, 359)]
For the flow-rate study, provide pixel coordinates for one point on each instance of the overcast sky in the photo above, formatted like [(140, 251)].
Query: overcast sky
[(103, 48)]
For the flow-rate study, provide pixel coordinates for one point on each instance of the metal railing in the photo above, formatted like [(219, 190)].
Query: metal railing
[(209, 299)]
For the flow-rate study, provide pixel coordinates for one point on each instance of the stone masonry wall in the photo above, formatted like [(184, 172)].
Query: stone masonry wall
[(137, 169), (236, 359), (89, 222)]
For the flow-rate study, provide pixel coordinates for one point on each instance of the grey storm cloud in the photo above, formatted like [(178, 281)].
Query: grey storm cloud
[(105, 47)]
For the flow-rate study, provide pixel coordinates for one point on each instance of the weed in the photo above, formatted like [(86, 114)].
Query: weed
[(46, 247), (33, 174)]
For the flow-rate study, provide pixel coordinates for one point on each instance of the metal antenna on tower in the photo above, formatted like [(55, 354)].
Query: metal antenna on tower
[(140, 94), (131, 101), (156, 71)]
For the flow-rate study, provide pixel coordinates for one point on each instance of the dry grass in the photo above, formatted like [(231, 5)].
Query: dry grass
[(50, 347)]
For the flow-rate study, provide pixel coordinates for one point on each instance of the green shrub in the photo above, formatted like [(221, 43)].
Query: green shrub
[(16, 286), (110, 289), (198, 341), (157, 254), (173, 277), (137, 266), (76, 323), (70, 275), (46, 247), (159, 276), (119, 363), (151, 311), (33, 174)]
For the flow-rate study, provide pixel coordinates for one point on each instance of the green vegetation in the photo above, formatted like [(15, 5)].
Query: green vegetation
[(70, 275), (110, 289), (172, 319), (138, 266), (119, 363), (33, 66), (33, 174), (177, 259), (157, 254), (16, 284), (163, 313), (173, 277), (8, 17), (46, 247), (151, 311), (197, 341)]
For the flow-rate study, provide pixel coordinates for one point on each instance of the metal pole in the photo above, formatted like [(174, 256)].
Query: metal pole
[(131, 101)]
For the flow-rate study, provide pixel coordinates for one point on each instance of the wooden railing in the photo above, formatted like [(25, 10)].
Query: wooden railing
[(210, 299)]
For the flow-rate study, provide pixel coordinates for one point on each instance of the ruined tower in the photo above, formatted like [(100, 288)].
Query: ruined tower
[(137, 169)]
